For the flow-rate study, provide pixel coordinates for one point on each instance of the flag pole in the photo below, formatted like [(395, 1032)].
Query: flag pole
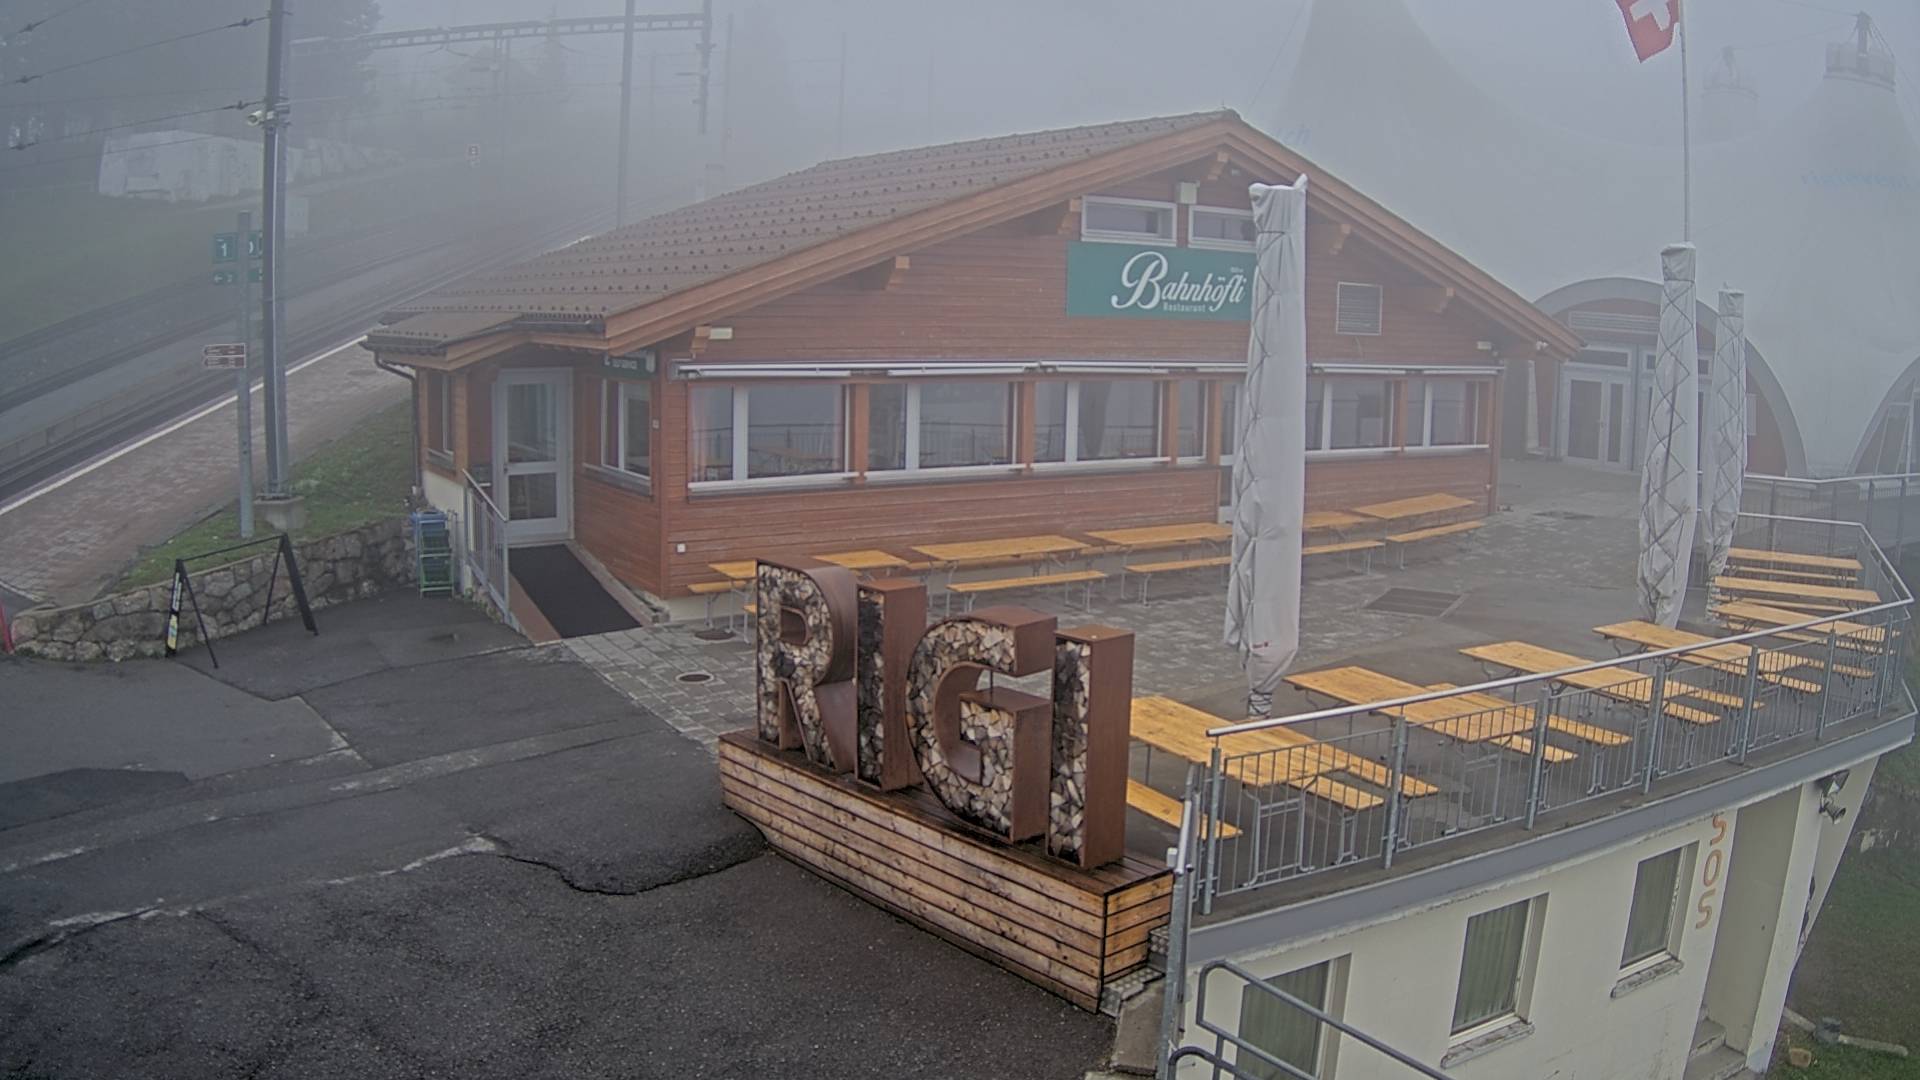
[(1686, 130)]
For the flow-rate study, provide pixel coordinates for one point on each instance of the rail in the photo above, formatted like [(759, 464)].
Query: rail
[(1878, 501), (1432, 767), (485, 553)]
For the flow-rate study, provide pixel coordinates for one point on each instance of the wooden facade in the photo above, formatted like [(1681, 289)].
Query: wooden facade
[(1071, 931)]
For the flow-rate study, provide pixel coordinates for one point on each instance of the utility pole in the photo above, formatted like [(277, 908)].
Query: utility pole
[(653, 88), (726, 101), (706, 58), (243, 379), (626, 118), (273, 195), (840, 108)]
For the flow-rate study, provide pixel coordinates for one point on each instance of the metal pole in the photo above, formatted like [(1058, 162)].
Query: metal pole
[(1216, 791), (726, 101), (840, 106), (1394, 797), (706, 58), (1173, 1002), (243, 379), (273, 194), (1686, 134), (1659, 703), (626, 119), (1900, 524), (1541, 711), (1833, 641), (1747, 701)]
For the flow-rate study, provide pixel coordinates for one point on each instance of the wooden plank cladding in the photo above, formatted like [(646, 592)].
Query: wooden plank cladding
[(1070, 931)]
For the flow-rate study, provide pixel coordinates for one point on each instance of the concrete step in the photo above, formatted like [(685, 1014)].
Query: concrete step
[(1723, 1063), (1707, 1037)]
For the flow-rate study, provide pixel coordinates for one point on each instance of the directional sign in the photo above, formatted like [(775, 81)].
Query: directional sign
[(231, 356), (226, 246), (253, 274), (255, 248), (226, 277)]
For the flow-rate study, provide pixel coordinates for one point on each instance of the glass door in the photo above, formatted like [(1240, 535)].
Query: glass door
[(533, 468)]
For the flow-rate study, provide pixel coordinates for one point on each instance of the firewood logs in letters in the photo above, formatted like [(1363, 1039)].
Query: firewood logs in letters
[(805, 661)]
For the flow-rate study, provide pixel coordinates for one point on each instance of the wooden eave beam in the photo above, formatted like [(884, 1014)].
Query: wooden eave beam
[(1329, 239), (1433, 298), (884, 275), (1217, 166)]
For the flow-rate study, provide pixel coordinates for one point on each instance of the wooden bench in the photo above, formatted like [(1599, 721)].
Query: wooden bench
[(1822, 598), (1347, 548), (1780, 573), (1853, 635), (1405, 540), (1147, 570), (1728, 659), (713, 590), (1332, 521), (1182, 730), (1065, 578), (1165, 808), (1573, 729), (1761, 557), (1523, 745), (1619, 683), (1417, 506)]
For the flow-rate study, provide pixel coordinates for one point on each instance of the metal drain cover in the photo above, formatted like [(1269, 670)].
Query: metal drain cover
[(714, 634), (1415, 602), (693, 677)]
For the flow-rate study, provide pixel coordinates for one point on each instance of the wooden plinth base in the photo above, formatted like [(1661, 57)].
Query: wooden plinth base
[(1070, 931)]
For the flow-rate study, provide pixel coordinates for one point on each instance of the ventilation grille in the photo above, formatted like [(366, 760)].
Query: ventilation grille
[(1357, 309), (1609, 322)]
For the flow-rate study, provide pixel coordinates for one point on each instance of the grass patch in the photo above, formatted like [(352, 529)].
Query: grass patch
[(359, 479), (1844, 1063), (1900, 770), (1862, 963)]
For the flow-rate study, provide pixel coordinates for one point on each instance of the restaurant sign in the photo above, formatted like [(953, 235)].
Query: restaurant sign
[(1133, 281)]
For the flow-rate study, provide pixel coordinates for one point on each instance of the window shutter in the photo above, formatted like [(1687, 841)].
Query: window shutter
[(1357, 309)]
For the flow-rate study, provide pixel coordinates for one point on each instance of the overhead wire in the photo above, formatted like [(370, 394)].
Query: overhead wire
[(43, 20), (1299, 15), (232, 107), (235, 25)]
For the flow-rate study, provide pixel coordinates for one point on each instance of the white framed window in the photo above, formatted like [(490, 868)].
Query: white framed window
[(1356, 414), (1190, 437), (772, 432), (1116, 420), (1279, 1028), (439, 389), (1358, 309), (626, 427), (960, 424), (1652, 929), (1230, 419), (1219, 227), (887, 426), (1129, 221), (1495, 968), (1443, 412), (1053, 409)]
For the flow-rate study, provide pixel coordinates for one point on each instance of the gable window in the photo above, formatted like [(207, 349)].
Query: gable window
[(626, 426), (1132, 221), (1282, 1030), (1357, 309), (1650, 922), (1217, 227), (1490, 967)]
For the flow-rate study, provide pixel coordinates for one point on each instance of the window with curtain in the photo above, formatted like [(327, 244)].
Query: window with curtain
[(710, 427), (965, 423), (1650, 921), (886, 427), (626, 426), (1119, 419), (1050, 421), (1192, 440), (796, 430), (1490, 966), (1362, 414), (1282, 1030)]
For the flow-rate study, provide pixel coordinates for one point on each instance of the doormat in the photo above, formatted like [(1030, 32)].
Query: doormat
[(1415, 602)]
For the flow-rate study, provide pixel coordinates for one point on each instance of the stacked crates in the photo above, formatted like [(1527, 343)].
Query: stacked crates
[(433, 552)]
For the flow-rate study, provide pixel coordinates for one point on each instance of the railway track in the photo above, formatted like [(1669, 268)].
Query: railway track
[(142, 409)]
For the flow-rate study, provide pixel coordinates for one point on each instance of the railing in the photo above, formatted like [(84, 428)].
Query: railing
[(485, 552), (1879, 502), (1430, 768)]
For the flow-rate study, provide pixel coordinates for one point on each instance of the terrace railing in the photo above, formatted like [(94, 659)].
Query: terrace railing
[(1619, 726), (485, 552), (1887, 504)]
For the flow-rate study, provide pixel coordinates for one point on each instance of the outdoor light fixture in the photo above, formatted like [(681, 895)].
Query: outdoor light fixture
[(1830, 785)]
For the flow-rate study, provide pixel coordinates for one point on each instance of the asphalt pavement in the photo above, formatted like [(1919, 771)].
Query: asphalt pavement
[(415, 846)]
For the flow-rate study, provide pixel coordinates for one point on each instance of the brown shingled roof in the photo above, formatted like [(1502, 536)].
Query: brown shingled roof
[(654, 258)]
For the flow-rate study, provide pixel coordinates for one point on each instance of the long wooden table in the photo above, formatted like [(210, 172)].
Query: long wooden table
[(1013, 547), (1417, 506), (1182, 730), (1332, 520), (1849, 634), (1471, 717), (1732, 659), (1835, 563), (1162, 536), (862, 561), (1793, 592), (738, 572), (1618, 682)]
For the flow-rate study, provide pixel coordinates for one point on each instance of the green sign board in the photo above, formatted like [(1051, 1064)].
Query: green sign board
[(254, 275), (633, 365), (255, 246), (1140, 282), (225, 277), (226, 246)]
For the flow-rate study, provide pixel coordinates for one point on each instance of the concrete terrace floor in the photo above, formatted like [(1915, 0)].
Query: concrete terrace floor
[(1557, 560), (415, 846)]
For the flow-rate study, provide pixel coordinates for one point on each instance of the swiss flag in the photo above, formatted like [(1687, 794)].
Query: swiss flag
[(1651, 24)]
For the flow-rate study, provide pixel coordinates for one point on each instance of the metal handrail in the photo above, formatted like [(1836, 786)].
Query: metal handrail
[(1523, 678), (1809, 481), (1241, 1046)]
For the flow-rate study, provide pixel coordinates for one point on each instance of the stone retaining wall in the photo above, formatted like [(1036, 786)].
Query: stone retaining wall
[(348, 566)]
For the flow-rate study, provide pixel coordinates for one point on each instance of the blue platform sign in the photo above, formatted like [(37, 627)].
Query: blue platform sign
[(1136, 281)]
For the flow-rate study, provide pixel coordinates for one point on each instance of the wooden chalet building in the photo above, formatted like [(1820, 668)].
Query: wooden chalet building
[(1035, 333)]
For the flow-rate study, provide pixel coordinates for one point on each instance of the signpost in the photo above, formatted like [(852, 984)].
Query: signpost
[(226, 357), (233, 356)]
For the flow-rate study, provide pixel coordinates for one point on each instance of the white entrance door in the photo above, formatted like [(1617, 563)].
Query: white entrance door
[(533, 459), (1595, 424)]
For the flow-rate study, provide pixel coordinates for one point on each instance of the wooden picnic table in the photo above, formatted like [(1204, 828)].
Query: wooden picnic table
[(1182, 730), (1791, 558), (1332, 520), (1158, 536), (1417, 506), (1014, 547), (862, 561), (1753, 614), (1797, 592), (1732, 659), (1618, 681), (1470, 717), (738, 571)]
